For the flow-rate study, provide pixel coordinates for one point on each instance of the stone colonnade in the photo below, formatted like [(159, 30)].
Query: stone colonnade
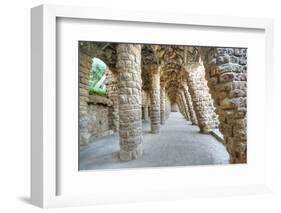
[(217, 85)]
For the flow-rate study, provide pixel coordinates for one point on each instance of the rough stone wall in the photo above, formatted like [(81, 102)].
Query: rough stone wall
[(129, 99), (202, 101), (100, 117), (112, 93), (155, 99), (84, 75), (226, 72), (162, 105), (95, 112), (84, 121), (187, 95)]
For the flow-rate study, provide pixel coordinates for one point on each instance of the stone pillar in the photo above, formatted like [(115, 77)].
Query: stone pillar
[(155, 99), (193, 117), (168, 107), (226, 72), (162, 105), (145, 113), (201, 98), (184, 103), (179, 104), (129, 99)]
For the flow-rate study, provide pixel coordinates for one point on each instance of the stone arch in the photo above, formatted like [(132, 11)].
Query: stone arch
[(226, 73)]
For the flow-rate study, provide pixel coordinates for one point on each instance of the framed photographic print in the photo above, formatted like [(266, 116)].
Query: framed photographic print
[(130, 106)]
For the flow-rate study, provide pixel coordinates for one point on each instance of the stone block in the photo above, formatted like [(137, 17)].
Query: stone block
[(226, 77)]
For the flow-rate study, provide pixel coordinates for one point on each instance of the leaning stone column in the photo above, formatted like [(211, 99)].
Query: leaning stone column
[(185, 106), (162, 105), (179, 103), (193, 117), (155, 99), (181, 106), (202, 101), (129, 99), (226, 72)]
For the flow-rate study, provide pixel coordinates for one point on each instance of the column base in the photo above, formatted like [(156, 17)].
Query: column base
[(132, 154), (204, 131), (155, 129)]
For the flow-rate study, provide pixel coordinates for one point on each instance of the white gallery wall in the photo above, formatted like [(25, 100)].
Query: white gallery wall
[(15, 105)]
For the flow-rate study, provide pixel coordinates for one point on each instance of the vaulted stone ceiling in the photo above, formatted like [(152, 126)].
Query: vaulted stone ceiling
[(171, 59)]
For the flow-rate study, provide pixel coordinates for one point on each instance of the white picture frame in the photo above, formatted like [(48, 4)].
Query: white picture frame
[(44, 154)]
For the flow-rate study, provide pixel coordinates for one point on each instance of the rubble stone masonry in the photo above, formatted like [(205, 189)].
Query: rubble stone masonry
[(129, 100)]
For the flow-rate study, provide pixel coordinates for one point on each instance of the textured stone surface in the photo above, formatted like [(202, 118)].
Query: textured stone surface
[(112, 93), (84, 75), (181, 106), (129, 100), (162, 105), (145, 105), (202, 102), (96, 112), (226, 72), (187, 95), (155, 99), (184, 104), (85, 120)]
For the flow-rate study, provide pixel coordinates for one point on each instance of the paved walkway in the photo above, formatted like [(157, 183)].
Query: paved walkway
[(178, 144)]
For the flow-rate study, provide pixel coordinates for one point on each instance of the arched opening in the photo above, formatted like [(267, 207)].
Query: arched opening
[(97, 77)]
